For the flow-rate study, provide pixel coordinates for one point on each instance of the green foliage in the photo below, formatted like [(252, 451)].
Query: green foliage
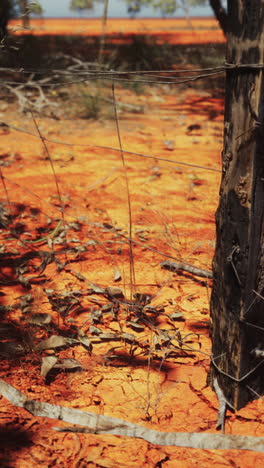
[(166, 7), (196, 2), (22, 7), (81, 4), (35, 8)]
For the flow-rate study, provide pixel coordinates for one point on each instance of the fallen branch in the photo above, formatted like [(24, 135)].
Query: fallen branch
[(30, 94), (174, 266), (100, 424)]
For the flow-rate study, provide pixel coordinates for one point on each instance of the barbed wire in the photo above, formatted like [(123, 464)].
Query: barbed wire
[(108, 72), (99, 72), (113, 78), (117, 75)]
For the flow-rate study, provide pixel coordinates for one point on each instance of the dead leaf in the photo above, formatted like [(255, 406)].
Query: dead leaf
[(177, 316), (52, 362), (68, 363), (95, 330), (39, 319), (107, 307), (113, 291), (84, 340), (117, 275), (54, 341), (109, 336), (47, 364), (129, 337), (136, 326)]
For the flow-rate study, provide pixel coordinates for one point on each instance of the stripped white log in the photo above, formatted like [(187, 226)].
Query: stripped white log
[(100, 424)]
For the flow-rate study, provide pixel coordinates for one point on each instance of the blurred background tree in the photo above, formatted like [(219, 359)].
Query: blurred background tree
[(81, 5), (24, 8), (13, 8), (168, 7)]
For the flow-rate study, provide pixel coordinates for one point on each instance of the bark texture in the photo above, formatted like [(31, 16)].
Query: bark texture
[(237, 310)]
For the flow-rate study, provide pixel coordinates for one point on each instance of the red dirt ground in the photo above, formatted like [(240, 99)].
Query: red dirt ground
[(173, 210), (171, 30)]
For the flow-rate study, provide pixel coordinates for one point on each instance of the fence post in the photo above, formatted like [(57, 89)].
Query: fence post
[(237, 308)]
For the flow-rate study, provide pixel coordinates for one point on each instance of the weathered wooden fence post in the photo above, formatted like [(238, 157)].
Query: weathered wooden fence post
[(237, 308)]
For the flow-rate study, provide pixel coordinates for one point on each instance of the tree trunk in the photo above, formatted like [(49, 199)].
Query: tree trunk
[(220, 14), (237, 308), (5, 9), (24, 12)]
